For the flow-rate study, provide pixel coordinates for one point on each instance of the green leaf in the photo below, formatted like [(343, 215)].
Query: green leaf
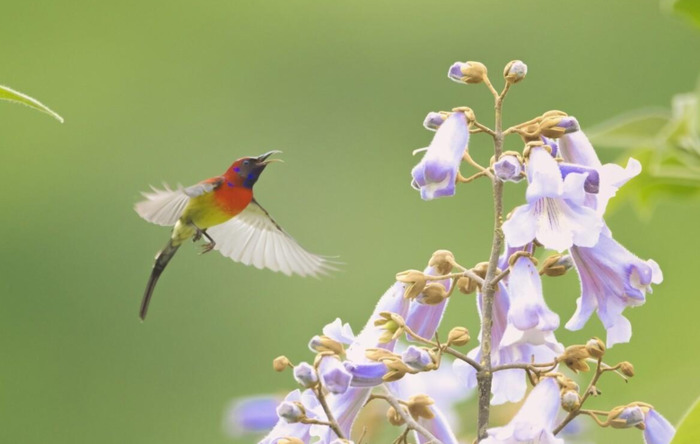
[(689, 8), (631, 130), (688, 431), (11, 95)]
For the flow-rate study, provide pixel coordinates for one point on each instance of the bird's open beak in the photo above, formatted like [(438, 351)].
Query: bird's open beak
[(263, 158)]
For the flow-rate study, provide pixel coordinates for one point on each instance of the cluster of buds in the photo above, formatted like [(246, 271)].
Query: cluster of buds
[(413, 360), (418, 407)]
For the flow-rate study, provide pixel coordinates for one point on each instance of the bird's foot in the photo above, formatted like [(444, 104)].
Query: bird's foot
[(206, 248)]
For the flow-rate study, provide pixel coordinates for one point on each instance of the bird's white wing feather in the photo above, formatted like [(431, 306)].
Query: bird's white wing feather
[(254, 238), (163, 207)]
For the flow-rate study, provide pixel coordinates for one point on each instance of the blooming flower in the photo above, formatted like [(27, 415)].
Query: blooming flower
[(577, 149), (530, 321), (508, 168), (555, 214), (534, 422), (612, 279), (436, 173)]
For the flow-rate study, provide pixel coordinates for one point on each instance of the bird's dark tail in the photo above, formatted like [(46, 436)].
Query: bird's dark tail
[(161, 262)]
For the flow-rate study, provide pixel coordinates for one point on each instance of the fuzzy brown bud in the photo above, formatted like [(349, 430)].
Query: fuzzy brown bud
[(515, 71), (480, 269), (442, 261), (467, 72), (433, 294), (627, 369), (394, 418), (458, 336), (570, 400), (419, 406), (595, 347), (415, 282), (325, 344), (574, 357), (280, 363), (556, 265), (466, 285)]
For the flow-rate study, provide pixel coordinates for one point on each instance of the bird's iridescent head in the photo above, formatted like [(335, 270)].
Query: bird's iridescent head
[(247, 170)]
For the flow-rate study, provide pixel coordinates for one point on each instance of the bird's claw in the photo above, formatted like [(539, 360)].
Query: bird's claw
[(206, 248)]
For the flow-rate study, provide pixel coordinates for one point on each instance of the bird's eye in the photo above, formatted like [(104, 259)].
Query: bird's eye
[(246, 162)]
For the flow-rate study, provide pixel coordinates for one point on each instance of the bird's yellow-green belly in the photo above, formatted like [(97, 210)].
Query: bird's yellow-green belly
[(204, 212)]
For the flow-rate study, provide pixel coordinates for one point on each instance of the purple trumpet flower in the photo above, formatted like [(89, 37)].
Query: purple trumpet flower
[(530, 321), (534, 422), (612, 279), (555, 214), (575, 148), (436, 173)]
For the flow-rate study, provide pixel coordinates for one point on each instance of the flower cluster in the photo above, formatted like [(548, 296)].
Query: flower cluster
[(397, 359)]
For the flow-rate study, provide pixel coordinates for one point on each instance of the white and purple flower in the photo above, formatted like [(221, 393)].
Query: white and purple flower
[(436, 173), (612, 279), (534, 422), (555, 214)]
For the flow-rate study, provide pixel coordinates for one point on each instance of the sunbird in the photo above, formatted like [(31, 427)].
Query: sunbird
[(223, 210)]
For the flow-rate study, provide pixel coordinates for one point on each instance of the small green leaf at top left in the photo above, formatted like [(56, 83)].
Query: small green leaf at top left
[(11, 95)]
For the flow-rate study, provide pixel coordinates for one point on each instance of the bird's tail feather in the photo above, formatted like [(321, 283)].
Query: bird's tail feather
[(161, 262)]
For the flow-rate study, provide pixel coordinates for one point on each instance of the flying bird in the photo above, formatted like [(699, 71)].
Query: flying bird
[(223, 210)]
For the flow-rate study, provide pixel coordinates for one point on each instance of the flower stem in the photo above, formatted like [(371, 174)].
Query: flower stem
[(332, 423), (485, 376)]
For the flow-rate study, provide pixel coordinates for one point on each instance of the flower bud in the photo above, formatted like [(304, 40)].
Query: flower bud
[(570, 400), (508, 168), (595, 348), (467, 72), (323, 343), (515, 71), (417, 359), (419, 406), (626, 416), (574, 357), (627, 369), (556, 127), (458, 336), (433, 120), (291, 411), (280, 363), (305, 374), (566, 383), (442, 261), (480, 269), (466, 285), (557, 265), (394, 418), (415, 281), (433, 294)]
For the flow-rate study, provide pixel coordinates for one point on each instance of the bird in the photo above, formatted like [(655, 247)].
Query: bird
[(222, 209)]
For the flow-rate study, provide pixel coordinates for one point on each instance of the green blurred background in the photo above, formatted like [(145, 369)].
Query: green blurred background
[(176, 90)]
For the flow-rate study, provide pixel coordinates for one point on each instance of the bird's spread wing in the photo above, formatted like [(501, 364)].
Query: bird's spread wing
[(254, 238), (163, 207)]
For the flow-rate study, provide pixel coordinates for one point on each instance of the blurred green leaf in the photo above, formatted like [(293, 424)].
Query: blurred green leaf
[(666, 144), (631, 130), (689, 8), (11, 95), (688, 431)]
